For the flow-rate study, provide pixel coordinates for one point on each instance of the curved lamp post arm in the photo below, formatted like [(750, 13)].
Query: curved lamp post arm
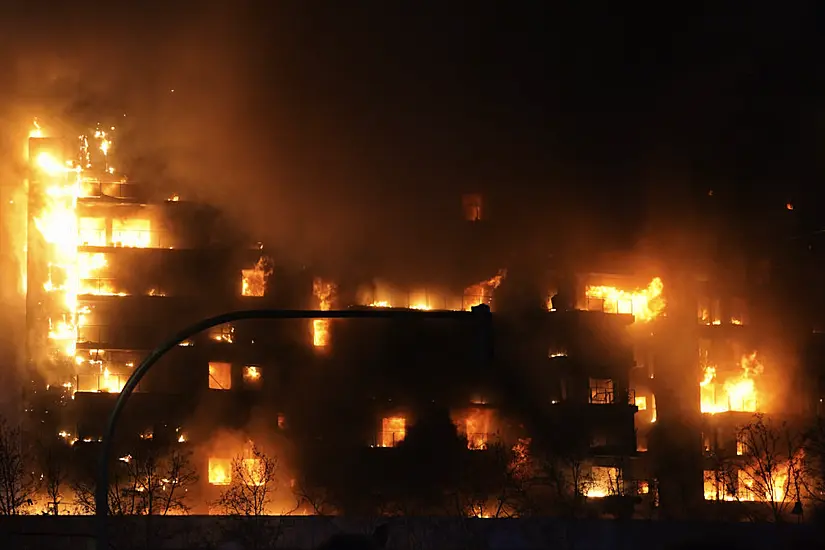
[(478, 313)]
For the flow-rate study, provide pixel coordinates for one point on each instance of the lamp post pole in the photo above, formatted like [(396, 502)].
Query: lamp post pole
[(480, 314)]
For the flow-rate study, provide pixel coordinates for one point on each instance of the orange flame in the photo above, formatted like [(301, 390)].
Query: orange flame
[(645, 304), (736, 393)]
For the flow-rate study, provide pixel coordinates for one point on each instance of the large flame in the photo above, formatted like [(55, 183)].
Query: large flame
[(645, 304), (737, 393), (70, 272)]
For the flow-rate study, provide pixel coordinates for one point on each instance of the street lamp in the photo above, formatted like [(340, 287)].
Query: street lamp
[(480, 314)]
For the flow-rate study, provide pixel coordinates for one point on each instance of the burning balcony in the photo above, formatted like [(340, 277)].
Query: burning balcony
[(645, 304), (601, 391)]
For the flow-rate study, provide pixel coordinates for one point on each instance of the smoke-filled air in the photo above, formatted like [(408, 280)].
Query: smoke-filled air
[(553, 268)]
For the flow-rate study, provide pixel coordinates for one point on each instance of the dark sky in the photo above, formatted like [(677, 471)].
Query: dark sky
[(348, 122)]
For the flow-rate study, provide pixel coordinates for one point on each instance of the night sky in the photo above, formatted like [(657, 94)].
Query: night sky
[(353, 125)]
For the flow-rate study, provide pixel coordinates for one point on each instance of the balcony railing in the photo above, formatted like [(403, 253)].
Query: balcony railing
[(389, 438)]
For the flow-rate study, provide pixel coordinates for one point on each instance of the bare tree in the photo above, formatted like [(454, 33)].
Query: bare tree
[(567, 474), (770, 465), (17, 485), (255, 480), (813, 478), (153, 482), (55, 476)]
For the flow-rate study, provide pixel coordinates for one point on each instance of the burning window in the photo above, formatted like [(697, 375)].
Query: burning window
[(644, 304), (709, 311), (223, 333), (393, 431), (642, 487), (220, 376), (476, 425), (482, 292), (131, 233), (254, 472), (253, 280), (104, 382), (715, 486), (323, 291), (601, 391), (282, 421), (641, 402), (252, 376), (738, 313), (604, 481), (740, 444), (471, 204), (220, 471), (736, 391), (91, 232)]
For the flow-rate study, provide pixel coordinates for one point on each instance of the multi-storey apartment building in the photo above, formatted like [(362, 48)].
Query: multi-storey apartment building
[(112, 272)]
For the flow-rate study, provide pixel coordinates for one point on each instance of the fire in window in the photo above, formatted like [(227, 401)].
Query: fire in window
[(220, 471), (641, 402), (220, 376), (714, 485), (131, 233), (472, 207), (252, 375), (223, 333), (282, 425), (253, 280), (601, 391), (393, 431), (91, 231), (476, 425)]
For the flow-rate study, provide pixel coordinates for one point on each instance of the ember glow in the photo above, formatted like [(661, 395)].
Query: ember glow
[(737, 392), (645, 304)]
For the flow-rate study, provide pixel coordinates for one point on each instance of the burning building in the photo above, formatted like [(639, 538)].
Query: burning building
[(112, 272)]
